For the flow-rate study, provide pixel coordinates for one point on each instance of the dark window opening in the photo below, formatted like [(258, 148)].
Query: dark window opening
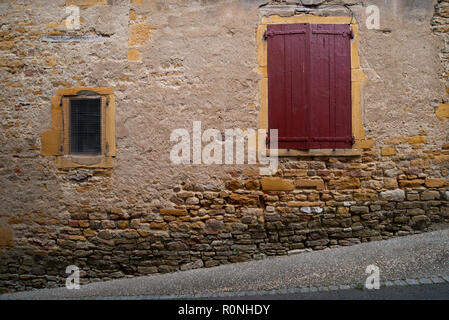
[(85, 126)]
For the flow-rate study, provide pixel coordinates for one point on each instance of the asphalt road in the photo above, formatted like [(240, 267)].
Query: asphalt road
[(413, 257), (416, 292)]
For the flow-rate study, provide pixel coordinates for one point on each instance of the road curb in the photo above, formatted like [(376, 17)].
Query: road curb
[(282, 291)]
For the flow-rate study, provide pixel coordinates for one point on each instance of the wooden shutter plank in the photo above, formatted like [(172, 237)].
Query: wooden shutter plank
[(332, 89), (287, 83), (288, 124), (343, 120), (330, 80), (320, 86), (295, 119), (308, 86), (276, 79), (298, 117)]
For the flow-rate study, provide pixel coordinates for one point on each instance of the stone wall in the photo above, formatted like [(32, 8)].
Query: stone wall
[(174, 62), (440, 27)]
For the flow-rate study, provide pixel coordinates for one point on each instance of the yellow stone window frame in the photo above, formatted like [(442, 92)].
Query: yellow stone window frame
[(357, 79), (56, 141)]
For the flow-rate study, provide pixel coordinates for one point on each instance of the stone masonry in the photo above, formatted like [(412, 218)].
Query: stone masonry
[(173, 62)]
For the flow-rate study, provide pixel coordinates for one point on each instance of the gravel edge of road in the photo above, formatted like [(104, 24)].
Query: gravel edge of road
[(275, 292)]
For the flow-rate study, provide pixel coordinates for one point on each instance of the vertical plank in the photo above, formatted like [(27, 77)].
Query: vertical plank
[(308, 96), (343, 120), (288, 124), (276, 80), (287, 85), (296, 114), (330, 86), (332, 89), (66, 125), (103, 125), (320, 86), (110, 126)]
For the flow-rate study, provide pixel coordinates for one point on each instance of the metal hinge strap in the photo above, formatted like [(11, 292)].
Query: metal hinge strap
[(280, 33), (343, 33)]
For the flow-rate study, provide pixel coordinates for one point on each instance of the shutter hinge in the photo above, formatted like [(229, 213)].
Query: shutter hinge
[(272, 33), (352, 140), (351, 34)]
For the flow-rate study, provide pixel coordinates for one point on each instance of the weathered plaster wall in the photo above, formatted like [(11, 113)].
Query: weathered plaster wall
[(174, 62)]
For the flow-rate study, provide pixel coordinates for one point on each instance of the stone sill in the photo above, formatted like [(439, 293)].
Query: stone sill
[(319, 152), (78, 161)]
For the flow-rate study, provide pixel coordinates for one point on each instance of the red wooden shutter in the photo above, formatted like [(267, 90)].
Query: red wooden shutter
[(287, 85), (309, 85)]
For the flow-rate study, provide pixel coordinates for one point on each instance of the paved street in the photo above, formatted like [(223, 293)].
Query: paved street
[(417, 260), (417, 292)]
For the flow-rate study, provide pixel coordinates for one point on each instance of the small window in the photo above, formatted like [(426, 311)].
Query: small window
[(84, 129), (85, 126), (309, 85), (82, 133)]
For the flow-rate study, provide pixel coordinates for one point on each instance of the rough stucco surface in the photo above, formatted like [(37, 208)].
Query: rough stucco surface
[(174, 62)]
